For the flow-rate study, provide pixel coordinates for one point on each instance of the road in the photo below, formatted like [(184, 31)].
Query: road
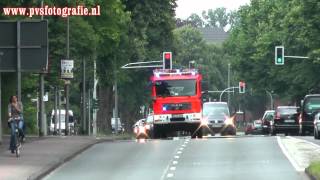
[(236, 158)]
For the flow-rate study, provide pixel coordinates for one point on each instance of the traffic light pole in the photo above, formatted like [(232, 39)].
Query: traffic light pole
[(227, 90), (297, 57)]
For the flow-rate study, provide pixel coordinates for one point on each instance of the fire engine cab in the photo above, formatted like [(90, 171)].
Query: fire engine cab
[(176, 100)]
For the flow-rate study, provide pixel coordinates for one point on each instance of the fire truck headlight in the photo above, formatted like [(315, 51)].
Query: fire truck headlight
[(135, 130)]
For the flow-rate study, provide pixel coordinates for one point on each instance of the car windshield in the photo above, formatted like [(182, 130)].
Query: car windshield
[(217, 110), (269, 116), (312, 105), (176, 87), (287, 110)]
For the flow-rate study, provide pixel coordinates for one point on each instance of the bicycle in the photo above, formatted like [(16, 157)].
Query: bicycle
[(18, 137)]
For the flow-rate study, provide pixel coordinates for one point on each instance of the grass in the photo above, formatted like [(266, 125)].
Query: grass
[(314, 169)]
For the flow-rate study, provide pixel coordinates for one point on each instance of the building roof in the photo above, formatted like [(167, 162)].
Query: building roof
[(213, 35)]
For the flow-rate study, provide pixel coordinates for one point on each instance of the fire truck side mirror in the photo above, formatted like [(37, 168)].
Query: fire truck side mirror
[(204, 92)]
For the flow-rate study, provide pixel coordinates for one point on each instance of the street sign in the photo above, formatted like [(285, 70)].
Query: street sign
[(67, 69), (24, 45)]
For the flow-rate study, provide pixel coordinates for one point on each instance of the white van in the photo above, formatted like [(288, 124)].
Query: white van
[(62, 119)]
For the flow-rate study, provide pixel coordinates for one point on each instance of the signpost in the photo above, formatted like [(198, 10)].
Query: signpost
[(24, 48)]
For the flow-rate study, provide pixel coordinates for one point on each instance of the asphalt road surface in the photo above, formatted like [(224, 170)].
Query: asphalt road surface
[(231, 158)]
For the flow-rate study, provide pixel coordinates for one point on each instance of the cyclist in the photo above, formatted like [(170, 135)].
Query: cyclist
[(15, 109)]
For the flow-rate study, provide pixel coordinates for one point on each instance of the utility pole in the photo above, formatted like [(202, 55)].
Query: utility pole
[(116, 103), (55, 109), (84, 104), (94, 96), (67, 82), (89, 112), (0, 110), (229, 83), (42, 124), (59, 107), (271, 99)]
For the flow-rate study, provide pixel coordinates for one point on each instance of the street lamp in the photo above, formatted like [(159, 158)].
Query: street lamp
[(271, 99)]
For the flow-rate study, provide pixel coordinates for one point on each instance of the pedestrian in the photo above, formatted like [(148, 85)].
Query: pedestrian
[(15, 110)]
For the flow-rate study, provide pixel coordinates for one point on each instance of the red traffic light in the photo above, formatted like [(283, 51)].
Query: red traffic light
[(167, 56), (242, 87)]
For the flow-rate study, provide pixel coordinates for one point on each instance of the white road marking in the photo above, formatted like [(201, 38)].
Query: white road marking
[(176, 157), (181, 149), (175, 138), (179, 152), (309, 142), (183, 145), (170, 175), (285, 152), (173, 168), (174, 162)]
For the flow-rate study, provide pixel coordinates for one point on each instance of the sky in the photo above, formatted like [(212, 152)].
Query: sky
[(187, 7)]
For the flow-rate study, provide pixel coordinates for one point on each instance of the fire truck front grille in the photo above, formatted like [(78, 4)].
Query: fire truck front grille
[(177, 119)]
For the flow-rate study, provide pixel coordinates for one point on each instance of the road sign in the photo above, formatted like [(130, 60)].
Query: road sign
[(24, 45), (67, 69)]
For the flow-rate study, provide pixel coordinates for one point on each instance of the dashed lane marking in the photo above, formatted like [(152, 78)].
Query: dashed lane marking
[(174, 162), (170, 175), (173, 168)]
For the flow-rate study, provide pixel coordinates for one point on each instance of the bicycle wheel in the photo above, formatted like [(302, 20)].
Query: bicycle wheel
[(17, 144)]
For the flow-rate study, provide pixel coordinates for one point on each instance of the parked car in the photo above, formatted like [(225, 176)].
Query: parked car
[(268, 116), (254, 128), (286, 120), (310, 106), (316, 131)]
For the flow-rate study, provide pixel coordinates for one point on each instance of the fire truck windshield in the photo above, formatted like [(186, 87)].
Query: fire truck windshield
[(176, 87)]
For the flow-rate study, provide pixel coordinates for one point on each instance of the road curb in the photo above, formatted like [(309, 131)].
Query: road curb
[(51, 167), (308, 173)]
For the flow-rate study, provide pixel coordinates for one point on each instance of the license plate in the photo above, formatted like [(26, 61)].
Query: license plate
[(289, 121), (216, 125), (177, 115)]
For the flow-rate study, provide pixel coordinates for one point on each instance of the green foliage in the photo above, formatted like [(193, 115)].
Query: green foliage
[(265, 24)]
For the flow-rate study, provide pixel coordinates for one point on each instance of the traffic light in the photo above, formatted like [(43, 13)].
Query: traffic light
[(167, 60), (242, 87), (279, 55)]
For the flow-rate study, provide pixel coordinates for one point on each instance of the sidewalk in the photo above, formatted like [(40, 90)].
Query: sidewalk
[(40, 155)]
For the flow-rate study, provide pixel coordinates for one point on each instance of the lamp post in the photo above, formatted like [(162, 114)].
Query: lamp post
[(271, 99)]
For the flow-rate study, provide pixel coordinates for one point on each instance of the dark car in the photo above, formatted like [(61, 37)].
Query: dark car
[(310, 106), (316, 131), (268, 116), (285, 121)]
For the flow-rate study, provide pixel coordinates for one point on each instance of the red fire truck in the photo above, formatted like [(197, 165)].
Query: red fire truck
[(176, 96)]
